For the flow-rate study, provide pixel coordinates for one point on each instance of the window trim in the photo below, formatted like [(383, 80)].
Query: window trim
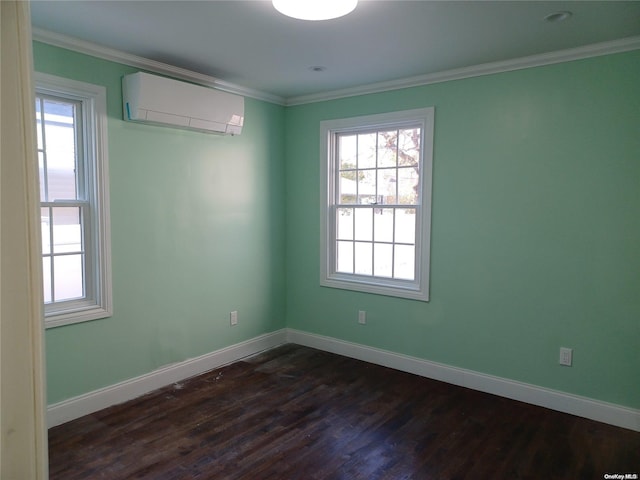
[(417, 289), (94, 111)]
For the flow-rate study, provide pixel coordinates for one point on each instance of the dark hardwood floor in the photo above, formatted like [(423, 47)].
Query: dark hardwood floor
[(298, 413)]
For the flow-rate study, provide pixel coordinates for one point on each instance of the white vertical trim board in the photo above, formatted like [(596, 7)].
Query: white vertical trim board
[(91, 402), (553, 399), (23, 436)]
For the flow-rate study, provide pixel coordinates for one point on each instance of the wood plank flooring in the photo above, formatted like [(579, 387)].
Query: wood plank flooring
[(299, 413)]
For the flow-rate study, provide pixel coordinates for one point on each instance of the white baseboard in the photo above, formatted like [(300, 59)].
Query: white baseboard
[(91, 402), (553, 399), (79, 406)]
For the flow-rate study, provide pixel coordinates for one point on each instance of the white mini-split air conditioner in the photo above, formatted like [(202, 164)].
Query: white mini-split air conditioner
[(162, 101)]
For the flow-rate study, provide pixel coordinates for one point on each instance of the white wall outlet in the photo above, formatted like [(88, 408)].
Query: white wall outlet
[(566, 356), (362, 317), (234, 317)]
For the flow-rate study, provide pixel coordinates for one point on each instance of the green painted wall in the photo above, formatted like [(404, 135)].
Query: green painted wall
[(197, 225), (535, 242), (535, 229)]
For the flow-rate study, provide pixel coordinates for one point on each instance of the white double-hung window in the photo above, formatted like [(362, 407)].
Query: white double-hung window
[(74, 202), (376, 203)]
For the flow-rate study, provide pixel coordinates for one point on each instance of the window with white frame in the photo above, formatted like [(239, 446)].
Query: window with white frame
[(376, 203), (74, 202)]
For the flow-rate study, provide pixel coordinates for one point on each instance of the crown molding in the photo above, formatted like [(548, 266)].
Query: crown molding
[(560, 56), (113, 55)]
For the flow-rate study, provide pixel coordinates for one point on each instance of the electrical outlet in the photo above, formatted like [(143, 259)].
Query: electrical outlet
[(234, 317), (362, 317), (566, 356)]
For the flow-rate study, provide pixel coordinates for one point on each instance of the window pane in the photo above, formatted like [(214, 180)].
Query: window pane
[(367, 187), (409, 146), (404, 267), (70, 116), (67, 230), (383, 260), (363, 258), (407, 186), (406, 225), (364, 224), (347, 192), (387, 186), (345, 224), (375, 242), (387, 148), (347, 151), (46, 276), (45, 225), (345, 257), (68, 281), (39, 123), (60, 145), (367, 150), (383, 225), (42, 177)]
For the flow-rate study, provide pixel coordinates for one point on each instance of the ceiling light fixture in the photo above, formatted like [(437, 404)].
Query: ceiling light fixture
[(315, 9)]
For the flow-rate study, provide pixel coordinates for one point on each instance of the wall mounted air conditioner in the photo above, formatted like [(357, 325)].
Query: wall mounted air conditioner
[(162, 101)]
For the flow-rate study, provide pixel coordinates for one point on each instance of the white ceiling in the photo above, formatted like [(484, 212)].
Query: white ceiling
[(249, 44)]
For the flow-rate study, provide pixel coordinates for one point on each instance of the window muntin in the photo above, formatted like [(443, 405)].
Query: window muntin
[(63, 197), (377, 200), (72, 157), (376, 203)]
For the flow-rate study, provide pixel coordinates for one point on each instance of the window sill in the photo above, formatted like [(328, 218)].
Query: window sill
[(376, 286), (78, 315)]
